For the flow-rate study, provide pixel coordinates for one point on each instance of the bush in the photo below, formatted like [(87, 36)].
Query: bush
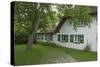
[(50, 44), (87, 48), (20, 39)]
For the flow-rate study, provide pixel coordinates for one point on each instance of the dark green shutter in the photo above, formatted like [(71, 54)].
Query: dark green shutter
[(58, 37), (45, 36)]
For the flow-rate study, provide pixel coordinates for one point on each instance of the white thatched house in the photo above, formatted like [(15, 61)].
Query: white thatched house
[(64, 34)]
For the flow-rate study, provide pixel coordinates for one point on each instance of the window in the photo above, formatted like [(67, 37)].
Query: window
[(77, 39), (40, 36), (48, 37), (37, 36), (81, 39), (82, 24), (71, 38), (63, 38)]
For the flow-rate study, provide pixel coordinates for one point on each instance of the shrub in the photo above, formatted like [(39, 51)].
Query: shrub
[(20, 39), (87, 48), (47, 43)]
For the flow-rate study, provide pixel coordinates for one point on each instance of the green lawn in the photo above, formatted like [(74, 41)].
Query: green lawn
[(41, 53)]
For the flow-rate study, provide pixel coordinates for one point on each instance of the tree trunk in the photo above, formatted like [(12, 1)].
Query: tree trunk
[(30, 42), (32, 37)]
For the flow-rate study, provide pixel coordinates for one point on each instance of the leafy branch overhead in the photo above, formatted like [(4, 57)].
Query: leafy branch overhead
[(78, 14), (30, 18), (50, 14)]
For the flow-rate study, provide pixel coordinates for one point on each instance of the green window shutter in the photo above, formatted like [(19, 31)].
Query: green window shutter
[(62, 38), (45, 36), (58, 37), (67, 38), (72, 38)]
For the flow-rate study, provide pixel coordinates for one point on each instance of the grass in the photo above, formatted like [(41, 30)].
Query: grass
[(42, 53)]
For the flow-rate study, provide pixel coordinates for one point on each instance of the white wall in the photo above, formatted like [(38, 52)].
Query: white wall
[(90, 34)]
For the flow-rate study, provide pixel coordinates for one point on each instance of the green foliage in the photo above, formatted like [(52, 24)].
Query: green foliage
[(87, 48), (25, 12), (50, 14), (81, 14), (20, 39), (21, 31), (78, 14), (26, 17)]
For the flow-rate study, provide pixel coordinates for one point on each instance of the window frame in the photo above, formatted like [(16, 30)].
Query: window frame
[(71, 38), (78, 38), (82, 24), (48, 37), (63, 37), (81, 38)]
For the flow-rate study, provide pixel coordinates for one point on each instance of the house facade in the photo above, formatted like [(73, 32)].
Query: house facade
[(66, 36)]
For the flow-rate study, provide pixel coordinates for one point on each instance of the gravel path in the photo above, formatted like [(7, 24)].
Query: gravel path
[(63, 59), (60, 57)]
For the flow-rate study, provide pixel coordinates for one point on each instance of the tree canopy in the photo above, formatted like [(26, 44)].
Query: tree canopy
[(25, 12), (51, 14)]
